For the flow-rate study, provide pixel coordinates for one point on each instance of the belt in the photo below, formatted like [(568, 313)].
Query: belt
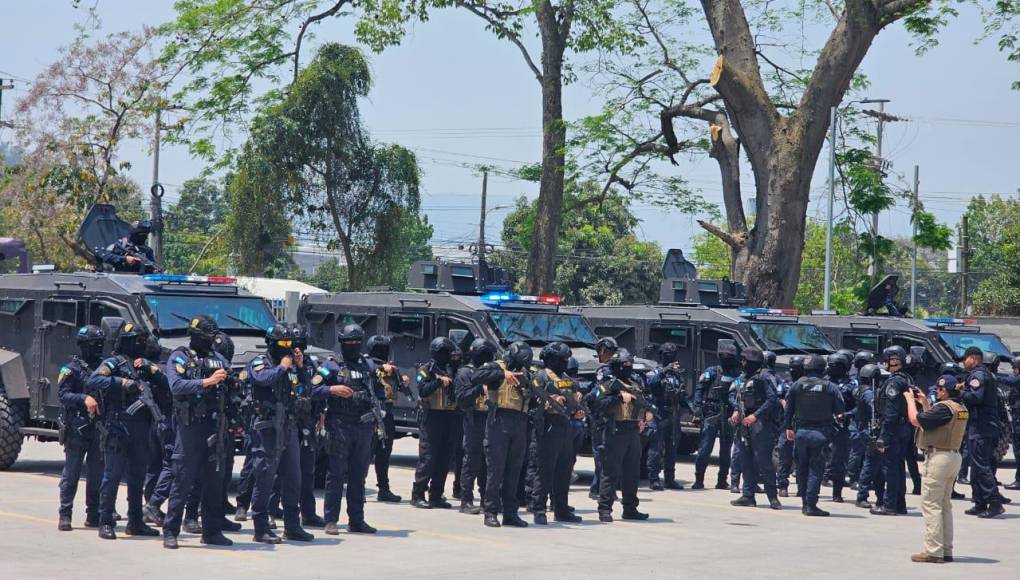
[(945, 450)]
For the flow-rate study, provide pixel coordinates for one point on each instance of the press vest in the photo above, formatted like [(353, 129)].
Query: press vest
[(946, 437)]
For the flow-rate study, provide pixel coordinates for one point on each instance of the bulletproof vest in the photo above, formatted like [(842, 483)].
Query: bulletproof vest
[(510, 396), (748, 393), (626, 411), (719, 391), (441, 399), (814, 401), (564, 386), (481, 401), (946, 437), (360, 382), (388, 384), (889, 398)]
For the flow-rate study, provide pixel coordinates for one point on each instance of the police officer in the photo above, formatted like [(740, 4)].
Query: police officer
[(895, 432), (711, 404), (78, 431), (858, 436), (755, 411), (1012, 384), (810, 406), (472, 399), (578, 421), (378, 348), (197, 376), (982, 399), (620, 403), (868, 422), (439, 426), (554, 438), (668, 392), (838, 372), (784, 447), (275, 379), (131, 254), (604, 349), (506, 432), (117, 383), (351, 428), (159, 474)]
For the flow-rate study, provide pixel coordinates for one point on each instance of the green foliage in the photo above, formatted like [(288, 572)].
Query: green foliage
[(849, 270), (866, 190), (329, 275), (599, 259), (193, 229), (711, 256), (930, 233), (258, 232), (994, 226)]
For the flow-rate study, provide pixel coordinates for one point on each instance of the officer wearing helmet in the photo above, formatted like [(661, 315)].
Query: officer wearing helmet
[(1012, 384), (379, 349), (131, 254), (868, 423), (78, 431), (861, 358), (604, 349), (784, 447), (711, 405), (838, 372), (895, 432), (439, 425), (351, 428), (117, 383), (857, 428), (810, 406), (620, 404), (507, 382), (755, 417), (981, 396), (667, 388), (553, 437), (473, 401), (197, 375)]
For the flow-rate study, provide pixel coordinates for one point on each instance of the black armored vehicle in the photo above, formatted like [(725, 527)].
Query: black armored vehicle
[(457, 300)]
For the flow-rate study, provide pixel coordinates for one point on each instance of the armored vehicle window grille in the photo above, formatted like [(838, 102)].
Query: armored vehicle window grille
[(368, 322), (462, 272), (710, 339), (405, 325), (98, 311), (59, 312), (11, 307), (958, 343), (786, 338), (677, 335), (174, 312), (542, 328), (857, 342)]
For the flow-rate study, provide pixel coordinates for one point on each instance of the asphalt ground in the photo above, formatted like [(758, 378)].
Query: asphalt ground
[(691, 533)]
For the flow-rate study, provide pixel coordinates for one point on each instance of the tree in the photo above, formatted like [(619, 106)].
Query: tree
[(194, 239), (994, 229), (346, 189), (257, 229)]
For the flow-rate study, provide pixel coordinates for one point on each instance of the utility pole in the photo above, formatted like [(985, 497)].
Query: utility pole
[(964, 263), (4, 87), (482, 266), (880, 167), (156, 193), (832, 195), (913, 258)]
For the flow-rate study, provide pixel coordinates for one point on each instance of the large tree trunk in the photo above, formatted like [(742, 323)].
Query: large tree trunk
[(542, 255)]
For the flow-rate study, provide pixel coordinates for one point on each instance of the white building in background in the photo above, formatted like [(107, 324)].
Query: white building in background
[(274, 291)]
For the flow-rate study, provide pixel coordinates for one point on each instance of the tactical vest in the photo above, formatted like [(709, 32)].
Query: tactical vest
[(814, 401), (359, 382), (441, 399), (626, 411), (509, 396), (481, 401), (946, 437), (748, 394), (388, 384), (719, 392), (564, 387)]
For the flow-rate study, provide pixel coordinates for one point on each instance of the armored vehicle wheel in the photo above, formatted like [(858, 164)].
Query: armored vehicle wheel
[(13, 415)]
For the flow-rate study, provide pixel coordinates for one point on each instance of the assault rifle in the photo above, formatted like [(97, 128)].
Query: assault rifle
[(741, 432), (145, 265), (376, 413), (642, 402)]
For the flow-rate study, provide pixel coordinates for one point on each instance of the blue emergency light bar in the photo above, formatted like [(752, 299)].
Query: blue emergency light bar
[(181, 278), (948, 320), (769, 311), (504, 297)]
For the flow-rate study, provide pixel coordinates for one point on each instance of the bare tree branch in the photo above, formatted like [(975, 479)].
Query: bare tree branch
[(304, 27)]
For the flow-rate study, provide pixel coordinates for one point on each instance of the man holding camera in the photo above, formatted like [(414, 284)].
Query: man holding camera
[(940, 430)]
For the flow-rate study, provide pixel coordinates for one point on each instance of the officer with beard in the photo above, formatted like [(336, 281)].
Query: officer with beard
[(439, 426), (711, 404), (378, 348), (896, 433), (667, 389), (131, 254), (982, 399), (117, 383), (784, 447), (196, 375), (554, 442), (79, 436), (506, 432), (810, 406), (755, 410), (472, 399), (620, 403), (350, 436), (835, 472)]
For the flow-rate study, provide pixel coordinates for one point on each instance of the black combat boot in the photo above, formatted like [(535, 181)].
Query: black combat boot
[(440, 503), (606, 517), (313, 521), (837, 498), (266, 537), (721, 483), (192, 526), (633, 514), (64, 524), (170, 542), (106, 532), (419, 502), (567, 517), (774, 503), (514, 521), (216, 540), (360, 528), (332, 529), (491, 520), (976, 509), (994, 510), (230, 526), (744, 501), (540, 519), (699, 481), (153, 515), (813, 511), (92, 520), (468, 507), (385, 495), (655, 485), (242, 514), (140, 529), (673, 484), (863, 504), (881, 511), (297, 534), (734, 488)]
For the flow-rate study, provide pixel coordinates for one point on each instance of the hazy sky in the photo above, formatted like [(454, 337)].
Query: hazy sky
[(458, 96)]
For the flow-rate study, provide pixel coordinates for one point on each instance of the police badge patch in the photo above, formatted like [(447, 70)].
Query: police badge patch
[(974, 383), (317, 380), (891, 392), (64, 371)]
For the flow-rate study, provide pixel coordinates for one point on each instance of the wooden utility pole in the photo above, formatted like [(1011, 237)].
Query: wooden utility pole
[(156, 194), (964, 264), (483, 271)]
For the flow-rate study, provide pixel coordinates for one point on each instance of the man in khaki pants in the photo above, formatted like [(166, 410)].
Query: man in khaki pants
[(940, 431)]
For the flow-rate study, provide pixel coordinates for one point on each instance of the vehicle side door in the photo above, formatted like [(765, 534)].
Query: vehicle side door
[(56, 333), (682, 335), (708, 341)]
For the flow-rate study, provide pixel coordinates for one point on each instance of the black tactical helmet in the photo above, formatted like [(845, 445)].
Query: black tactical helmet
[(839, 363), (554, 356), (90, 334), (770, 359), (204, 327), (991, 359), (752, 354), (915, 358), (481, 351), (814, 363), (130, 339), (379, 346), (622, 363), (864, 357), (141, 227), (224, 345), (351, 333), (607, 343), (518, 356), (726, 348), (572, 366), (279, 333), (441, 348), (895, 351), (153, 351), (668, 353), (870, 372), (849, 354), (1016, 362)]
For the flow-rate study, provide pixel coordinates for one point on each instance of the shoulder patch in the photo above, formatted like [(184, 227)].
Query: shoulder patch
[(179, 367), (64, 371), (104, 370), (891, 391), (974, 383), (242, 376), (317, 380), (179, 360)]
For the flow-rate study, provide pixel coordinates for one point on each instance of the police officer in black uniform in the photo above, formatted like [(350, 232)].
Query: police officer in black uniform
[(619, 402), (604, 349), (838, 372), (117, 383), (131, 254), (810, 406), (896, 432), (275, 379), (197, 376), (784, 447), (351, 427), (439, 426), (473, 400), (858, 436), (378, 348), (668, 392), (78, 430), (711, 404), (1012, 384), (981, 396), (506, 432), (755, 413), (868, 422), (553, 437)]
